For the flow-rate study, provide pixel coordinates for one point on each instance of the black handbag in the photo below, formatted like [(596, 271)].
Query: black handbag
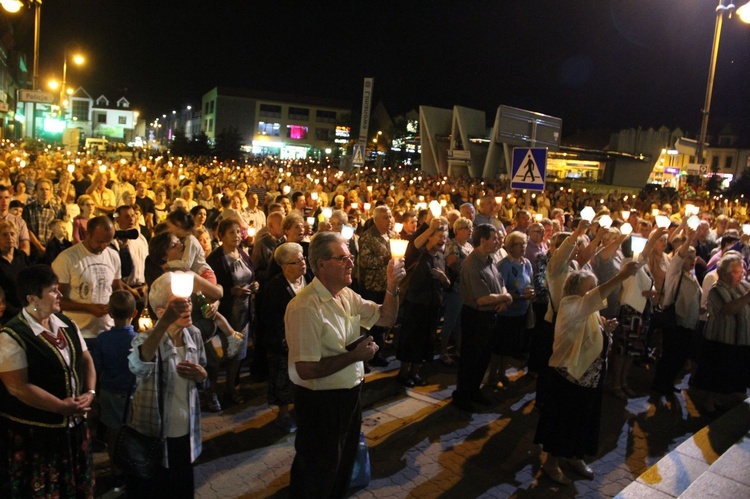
[(137, 454)]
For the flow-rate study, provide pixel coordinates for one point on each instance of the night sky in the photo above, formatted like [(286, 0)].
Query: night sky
[(594, 63)]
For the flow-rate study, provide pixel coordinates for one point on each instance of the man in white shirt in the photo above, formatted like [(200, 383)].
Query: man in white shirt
[(88, 272), (326, 356)]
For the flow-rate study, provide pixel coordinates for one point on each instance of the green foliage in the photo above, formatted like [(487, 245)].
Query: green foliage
[(179, 145), (198, 147)]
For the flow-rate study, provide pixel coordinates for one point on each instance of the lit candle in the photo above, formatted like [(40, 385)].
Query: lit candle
[(693, 222), (314, 196), (251, 231), (625, 214), (605, 221), (662, 222), (71, 168), (182, 284), (499, 199), (327, 212), (435, 208), (310, 220), (366, 206), (355, 205), (745, 229), (637, 243), (626, 229), (538, 217), (398, 248), (398, 227), (347, 231), (588, 213)]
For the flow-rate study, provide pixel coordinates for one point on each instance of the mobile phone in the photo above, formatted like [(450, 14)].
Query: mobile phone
[(351, 346)]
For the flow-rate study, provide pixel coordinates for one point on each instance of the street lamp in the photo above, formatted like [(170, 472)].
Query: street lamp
[(744, 15), (78, 60), (14, 6)]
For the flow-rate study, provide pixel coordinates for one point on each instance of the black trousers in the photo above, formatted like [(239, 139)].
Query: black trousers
[(176, 481), (377, 332), (477, 330), (676, 344), (328, 427)]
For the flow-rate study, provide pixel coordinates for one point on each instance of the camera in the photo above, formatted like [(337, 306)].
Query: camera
[(126, 234)]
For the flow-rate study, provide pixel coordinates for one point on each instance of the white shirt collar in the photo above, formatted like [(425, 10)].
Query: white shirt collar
[(54, 322)]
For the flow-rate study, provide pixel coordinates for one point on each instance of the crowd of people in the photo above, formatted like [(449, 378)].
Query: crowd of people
[(297, 279)]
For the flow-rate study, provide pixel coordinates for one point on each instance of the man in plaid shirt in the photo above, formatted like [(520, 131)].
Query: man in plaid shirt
[(38, 215)]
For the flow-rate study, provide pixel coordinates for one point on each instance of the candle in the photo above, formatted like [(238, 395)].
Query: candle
[(435, 208), (347, 231), (398, 248), (367, 206), (637, 243), (625, 214), (327, 212), (538, 217), (626, 229), (693, 222), (310, 220), (251, 231), (746, 229), (398, 227), (182, 284), (355, 205), (663, 222), (314, 196), (655, 212), (605, 221), (588, 213), (499, 199)]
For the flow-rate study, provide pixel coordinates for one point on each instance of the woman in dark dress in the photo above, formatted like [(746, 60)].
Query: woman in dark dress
[(277, 294), (420, 312)]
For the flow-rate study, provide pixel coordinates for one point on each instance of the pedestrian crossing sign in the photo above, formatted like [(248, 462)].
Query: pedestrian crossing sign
[(529, 168), (358, 156)]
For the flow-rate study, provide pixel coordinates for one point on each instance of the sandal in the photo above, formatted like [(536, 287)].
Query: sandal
[(580, 467), (556, 475), (447, 360)]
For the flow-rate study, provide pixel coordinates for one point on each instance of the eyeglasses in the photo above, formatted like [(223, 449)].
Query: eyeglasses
[(296, 262), (342, 258)]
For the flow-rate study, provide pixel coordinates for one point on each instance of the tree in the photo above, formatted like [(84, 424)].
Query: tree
[(198, 147), (228, 144), (740, 185), (179, 146)]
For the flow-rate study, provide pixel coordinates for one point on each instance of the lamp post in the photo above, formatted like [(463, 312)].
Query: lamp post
[(78, 60), (14, 6), (725, 6)]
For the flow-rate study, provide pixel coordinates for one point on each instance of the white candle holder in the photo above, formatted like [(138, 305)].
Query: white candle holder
[(398, 248), (182, 284)]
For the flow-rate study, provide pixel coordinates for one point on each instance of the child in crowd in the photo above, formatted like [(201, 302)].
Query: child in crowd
[(16, 208), (57, 243), (113, 373)]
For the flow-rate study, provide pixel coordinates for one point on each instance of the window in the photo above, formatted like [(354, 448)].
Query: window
[(296, 132), (270, 111), (322, 133), (101, 118), (299, 113), (122, 120), (325, 116), (210, 125), (270, 129), (208, 106), (728, 163), (715, 163), (213, 106), (80, 110)]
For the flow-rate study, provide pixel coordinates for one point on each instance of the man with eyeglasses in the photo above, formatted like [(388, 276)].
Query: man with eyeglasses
[(326, 365)]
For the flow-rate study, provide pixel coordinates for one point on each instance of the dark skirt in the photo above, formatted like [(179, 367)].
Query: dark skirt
[(569, 423), (722, 368), (50, 462), (510, 336), (632, 335), (176, 481), (417, 335)]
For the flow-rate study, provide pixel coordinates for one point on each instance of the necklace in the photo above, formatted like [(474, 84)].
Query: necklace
[(58, 340)]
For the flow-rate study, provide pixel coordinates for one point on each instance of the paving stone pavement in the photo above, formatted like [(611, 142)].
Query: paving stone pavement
[(421, 446)]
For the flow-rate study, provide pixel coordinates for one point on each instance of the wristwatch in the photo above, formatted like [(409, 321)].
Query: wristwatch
[(92, 392)]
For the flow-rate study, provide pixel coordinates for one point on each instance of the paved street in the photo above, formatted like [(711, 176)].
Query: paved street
[(421, 446)]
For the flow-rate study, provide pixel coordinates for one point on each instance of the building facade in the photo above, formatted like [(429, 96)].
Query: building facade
[(279, 125)]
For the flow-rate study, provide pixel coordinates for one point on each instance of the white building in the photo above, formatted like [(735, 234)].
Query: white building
[(102, 116)]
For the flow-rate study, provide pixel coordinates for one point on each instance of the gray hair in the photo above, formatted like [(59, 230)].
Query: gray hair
[(160, 291), (380, 209), (575, 280), (285, 252), (516, 237), (726, 262), (339, 215), (320, 248)]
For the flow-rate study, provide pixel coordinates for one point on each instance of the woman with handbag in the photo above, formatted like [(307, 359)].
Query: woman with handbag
[(683, 294), (50, 378), (168, 362), (423, 299)]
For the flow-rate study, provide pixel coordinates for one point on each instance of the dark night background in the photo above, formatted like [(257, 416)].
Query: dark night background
[(594, 63)]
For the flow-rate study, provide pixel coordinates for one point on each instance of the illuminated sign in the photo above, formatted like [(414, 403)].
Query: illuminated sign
[(412, 126), (52, 125), (343, 132), (673, 171)]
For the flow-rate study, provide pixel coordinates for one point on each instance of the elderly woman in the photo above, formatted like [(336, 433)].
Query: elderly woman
[(50, 378), (168, 360), (420, 312), (86, 204), (684, 291), (510, 337), (277, 293), (234, 272), (569, 424), (724, 367), (456, 251), (12, 262)]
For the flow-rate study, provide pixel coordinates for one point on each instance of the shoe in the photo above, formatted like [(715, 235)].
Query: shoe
[(379, 361), (119, 483), (556, 475), (214, 405), (406, 382), (418, 380), (235, 397), (480, 399), (447, 360), (234, 342), (287, 424), (580, 467)]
